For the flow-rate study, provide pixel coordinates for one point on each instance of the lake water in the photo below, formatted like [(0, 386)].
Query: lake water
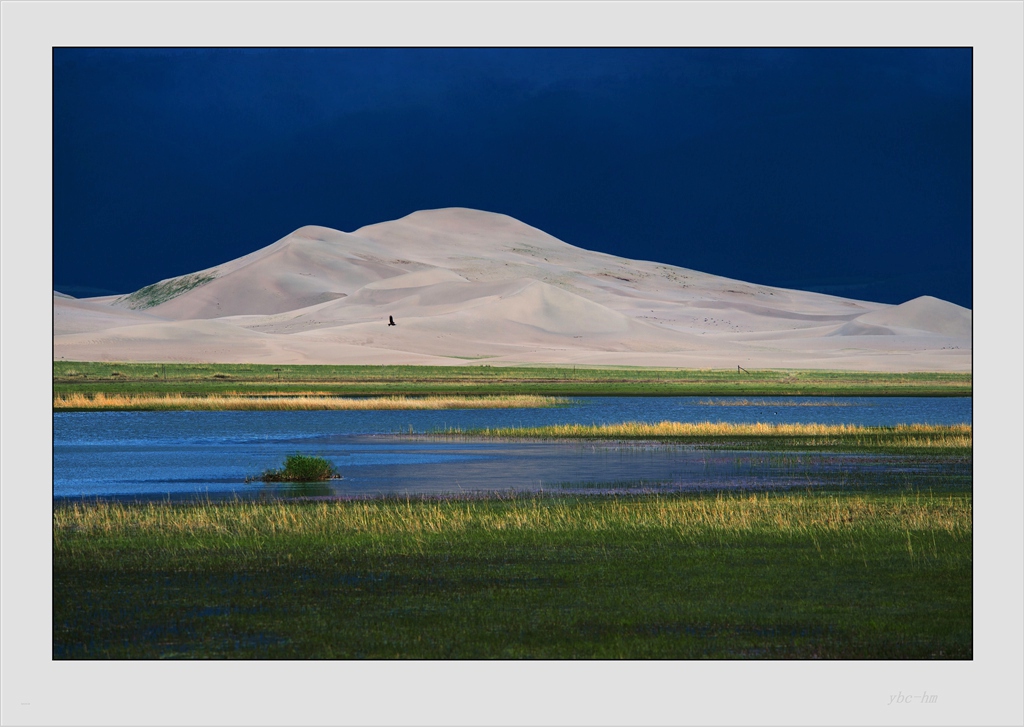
[(183, 454)]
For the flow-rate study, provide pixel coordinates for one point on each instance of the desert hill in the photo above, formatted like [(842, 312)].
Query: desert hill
[(466, 286)]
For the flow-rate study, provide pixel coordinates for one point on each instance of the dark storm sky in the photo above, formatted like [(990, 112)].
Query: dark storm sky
[(846, 171)]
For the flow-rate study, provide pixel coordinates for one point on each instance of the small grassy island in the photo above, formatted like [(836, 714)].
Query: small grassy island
[(302, 468)]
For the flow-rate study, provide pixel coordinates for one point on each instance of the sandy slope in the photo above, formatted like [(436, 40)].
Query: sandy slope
[(924, 314), (71, 315), (470, 286)]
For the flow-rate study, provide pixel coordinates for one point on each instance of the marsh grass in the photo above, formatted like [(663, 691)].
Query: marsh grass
[(308, 401), (908, 438), (477, 380), (787, 513), (764, 575), (770, 403), (302, 468)]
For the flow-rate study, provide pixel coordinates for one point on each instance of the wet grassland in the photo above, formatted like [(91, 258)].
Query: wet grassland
[(872, 566), (197, 381)]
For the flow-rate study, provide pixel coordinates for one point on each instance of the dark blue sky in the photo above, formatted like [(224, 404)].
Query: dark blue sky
[(841, 170)]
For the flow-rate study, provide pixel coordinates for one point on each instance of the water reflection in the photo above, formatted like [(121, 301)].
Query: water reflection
[(157, 455), (297, 489)]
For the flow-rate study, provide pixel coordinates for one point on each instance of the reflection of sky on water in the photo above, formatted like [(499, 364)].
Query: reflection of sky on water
[(153, 454)]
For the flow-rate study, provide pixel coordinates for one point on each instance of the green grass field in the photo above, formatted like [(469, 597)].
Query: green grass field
[(840, 575), (137, 379)]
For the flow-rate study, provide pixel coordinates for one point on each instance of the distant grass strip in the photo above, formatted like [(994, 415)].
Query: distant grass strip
[(478, 380), (770, 403), (910, 438), (179, 402), (776, 575)]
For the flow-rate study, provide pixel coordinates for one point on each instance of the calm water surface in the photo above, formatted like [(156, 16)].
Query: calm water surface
[(183, 454)]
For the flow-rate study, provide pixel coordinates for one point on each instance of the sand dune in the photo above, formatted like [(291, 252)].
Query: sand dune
[(857, 328), (72, 315), (924, 314), (467, 286)]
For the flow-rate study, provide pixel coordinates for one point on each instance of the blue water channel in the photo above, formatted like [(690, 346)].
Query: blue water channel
[(156, 455)]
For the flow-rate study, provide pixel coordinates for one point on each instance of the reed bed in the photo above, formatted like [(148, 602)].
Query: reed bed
[(779, 513), (902, 436), (767, 403), (236, 402)]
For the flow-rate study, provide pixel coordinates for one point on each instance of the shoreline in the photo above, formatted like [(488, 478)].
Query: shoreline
[(276, 402)]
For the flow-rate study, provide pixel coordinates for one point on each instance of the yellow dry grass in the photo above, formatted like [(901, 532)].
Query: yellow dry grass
[(723, 428), (235, 402), (787, 513), (775, 403), (637, 430)]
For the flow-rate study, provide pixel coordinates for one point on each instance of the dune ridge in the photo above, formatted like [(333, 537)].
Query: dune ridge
[(466, 286)]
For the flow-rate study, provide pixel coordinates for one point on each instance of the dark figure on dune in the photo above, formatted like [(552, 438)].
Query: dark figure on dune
[(391, 320)]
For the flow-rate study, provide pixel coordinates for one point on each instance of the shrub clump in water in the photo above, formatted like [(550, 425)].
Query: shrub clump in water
[(300, 468)]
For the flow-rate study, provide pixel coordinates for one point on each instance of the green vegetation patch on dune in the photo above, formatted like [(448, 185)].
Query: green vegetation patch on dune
[(165, 290), (777, 575)]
